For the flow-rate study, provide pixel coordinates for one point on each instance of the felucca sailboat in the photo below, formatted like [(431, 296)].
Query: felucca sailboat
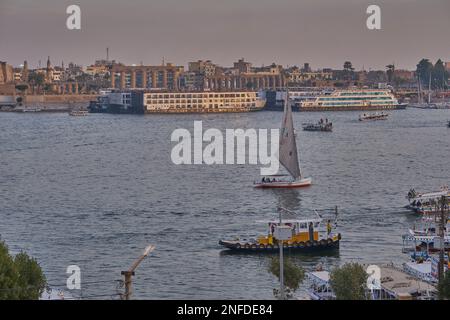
[(288, 156)]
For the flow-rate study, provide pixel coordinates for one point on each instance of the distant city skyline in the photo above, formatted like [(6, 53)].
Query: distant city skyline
[(324, 33)]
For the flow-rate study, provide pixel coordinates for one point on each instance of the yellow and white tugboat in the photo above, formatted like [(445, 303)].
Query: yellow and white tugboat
[(306, 236)]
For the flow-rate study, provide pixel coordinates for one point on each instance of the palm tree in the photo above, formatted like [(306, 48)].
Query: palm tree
[(390, 72)]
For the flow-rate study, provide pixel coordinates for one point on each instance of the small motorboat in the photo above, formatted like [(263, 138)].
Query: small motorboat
[(78, 113), (283, 181), (425, 202), (37, 109), (422, 237), (323, 126), (373, 116)]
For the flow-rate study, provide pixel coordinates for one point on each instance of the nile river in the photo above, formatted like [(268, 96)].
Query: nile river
[(94, 191)]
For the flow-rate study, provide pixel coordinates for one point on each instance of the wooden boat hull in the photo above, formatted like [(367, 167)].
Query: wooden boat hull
[(324, 244), (317, 129), (285, 184)]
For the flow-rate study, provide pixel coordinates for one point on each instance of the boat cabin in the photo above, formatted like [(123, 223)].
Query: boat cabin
[(301, 231)]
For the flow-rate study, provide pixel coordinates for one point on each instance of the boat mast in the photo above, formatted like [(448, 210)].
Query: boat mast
[(429, 89), (288, 155), (419, 90)]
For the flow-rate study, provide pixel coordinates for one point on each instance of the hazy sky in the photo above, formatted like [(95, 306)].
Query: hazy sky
[(324, 33)]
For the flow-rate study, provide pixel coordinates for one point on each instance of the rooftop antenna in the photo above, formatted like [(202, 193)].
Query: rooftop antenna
[(163, 61), (107, 54)]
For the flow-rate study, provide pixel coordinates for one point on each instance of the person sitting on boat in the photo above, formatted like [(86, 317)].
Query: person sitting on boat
[(263, 180)]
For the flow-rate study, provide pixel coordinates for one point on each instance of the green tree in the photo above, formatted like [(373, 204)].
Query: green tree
[(348, 71), (8, 274), (21, 277), (424, 70), (444, 287), (439, 75), (37, 79), (31, 278), (349, 282), (348, 66), (293, 275)]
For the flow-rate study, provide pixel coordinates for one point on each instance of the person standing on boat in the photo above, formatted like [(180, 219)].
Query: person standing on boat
[(311, 232), (329, 228)]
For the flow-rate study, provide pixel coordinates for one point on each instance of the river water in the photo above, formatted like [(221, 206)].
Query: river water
[(94, 191)]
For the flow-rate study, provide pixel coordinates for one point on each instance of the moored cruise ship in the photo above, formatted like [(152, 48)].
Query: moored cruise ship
[(141, 101), (353, 99)]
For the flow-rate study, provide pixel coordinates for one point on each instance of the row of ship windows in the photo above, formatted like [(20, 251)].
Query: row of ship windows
[(205, 106), (155, 101), (376, 93), (223, 95), (353, 103), (355, 98)]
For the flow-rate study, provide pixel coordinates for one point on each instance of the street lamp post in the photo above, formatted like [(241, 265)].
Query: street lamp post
[(282, 233)]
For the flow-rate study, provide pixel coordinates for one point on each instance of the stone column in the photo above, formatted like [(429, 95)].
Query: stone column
[(144, 78), (76, 87), (154, 79), (133, 79), (164, 79), (113, 79), (122, 79)]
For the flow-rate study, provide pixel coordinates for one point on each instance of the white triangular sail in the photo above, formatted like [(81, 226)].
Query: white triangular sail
[(288, 148)]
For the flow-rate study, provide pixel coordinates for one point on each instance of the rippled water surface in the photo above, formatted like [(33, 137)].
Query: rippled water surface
[(94, 191)]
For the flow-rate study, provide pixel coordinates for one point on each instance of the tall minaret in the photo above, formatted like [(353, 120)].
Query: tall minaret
[(63, 71), (48, 70), (25, 71)]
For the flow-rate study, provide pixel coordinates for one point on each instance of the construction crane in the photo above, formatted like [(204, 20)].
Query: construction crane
[(130, 272)]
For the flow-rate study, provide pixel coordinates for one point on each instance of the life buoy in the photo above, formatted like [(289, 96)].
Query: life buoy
[(329, 241), (247, 246), (315, 243), (254, 246), (301, 244), (308, 243), (238, 246), (323, 242)]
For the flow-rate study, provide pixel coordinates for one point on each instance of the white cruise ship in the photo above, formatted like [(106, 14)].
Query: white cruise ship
[(142, 101), (353, 99), (203, 102)]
